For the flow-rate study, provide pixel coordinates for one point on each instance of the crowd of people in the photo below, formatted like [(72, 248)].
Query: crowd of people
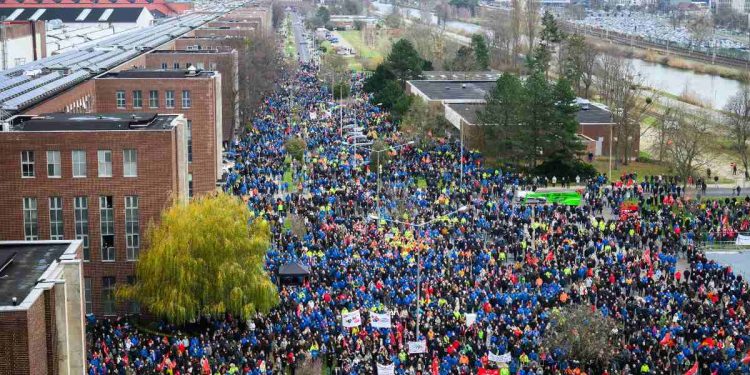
[(454, 260)]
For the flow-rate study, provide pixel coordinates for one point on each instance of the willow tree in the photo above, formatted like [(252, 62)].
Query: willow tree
[(205, 258)]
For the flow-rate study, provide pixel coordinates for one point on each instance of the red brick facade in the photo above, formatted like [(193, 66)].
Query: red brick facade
[(224, 62), (27, 338), (202, 115), (157, 182)]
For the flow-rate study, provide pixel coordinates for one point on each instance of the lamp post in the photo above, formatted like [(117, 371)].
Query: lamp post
[(419, 268)]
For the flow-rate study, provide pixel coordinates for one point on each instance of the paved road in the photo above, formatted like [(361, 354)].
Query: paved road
[(303, 48)]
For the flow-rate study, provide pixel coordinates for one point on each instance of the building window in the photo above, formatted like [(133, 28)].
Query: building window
[(153, 99), (133, 306), (30, 220), (169, 96), (190, 185), (81, 211), (105, 163), (120, 98), (186, 99), (55, 218), (107, 225), (130, 162), (189, 135), (27, 164), (132, 227), (164, 66), (137, 99), (79, 163), (53, 164), (176, 65), (87, 295), (200, 66), (108, 294)]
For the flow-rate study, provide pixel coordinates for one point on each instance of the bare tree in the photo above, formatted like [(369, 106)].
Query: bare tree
[(737, 124), (531, 16), (515, 29), (500, 37), (623, 91), (662, 127), (701, 28), (689, 139), (585, 336)]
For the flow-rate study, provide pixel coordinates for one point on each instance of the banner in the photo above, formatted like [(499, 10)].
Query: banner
[(380, 320), (505, 358), (416, 347), (742, 240), (351, 319), (483, 371), (470, 319), (386, 369)]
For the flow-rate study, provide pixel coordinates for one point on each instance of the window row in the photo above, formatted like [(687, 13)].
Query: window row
[(79, 163), (107, 295), (198, 65), (81, 224), (153, 99)]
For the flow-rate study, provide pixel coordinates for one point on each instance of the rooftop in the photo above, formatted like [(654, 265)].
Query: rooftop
[(593, 115), (208, 50), (439, 75), (73, 15), (92, 122), (454, 90), (158, 73), (28, 262)]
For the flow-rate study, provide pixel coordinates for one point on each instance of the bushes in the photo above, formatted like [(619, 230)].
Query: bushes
[(561, 167)]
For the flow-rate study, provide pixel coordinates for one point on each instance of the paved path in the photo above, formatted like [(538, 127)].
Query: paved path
[(303, 48)]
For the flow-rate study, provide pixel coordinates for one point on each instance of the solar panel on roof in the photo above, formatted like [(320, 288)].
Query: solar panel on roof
[(45, 90), (20, 89)]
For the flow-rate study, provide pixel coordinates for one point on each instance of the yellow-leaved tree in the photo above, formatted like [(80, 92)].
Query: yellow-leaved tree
[(205, 257)]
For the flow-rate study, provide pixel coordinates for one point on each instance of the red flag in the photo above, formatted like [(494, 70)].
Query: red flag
[(710, 342), (746, 358), (550, 256), (666, 340), (483, 371), (693, 370)]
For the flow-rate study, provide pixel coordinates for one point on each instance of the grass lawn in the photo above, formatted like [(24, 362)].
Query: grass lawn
[(640, 168), (375, 53)]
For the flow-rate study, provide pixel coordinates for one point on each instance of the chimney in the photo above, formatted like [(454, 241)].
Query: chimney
[(15, 301)]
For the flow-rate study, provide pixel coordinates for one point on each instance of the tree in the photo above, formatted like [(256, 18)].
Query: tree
[(393, 20), (464, 60), (581, 335), (296, 147), (701, 28), (540, 57), (531, 18), (204, 259), (341, 90), (404, 61), (688, 141), (516, 17), (352, 7), (380, 158), (323, 15), (421, 122), (622, 89), (277, 14), (481, 52), (737, 124), (531, 120), (579, 63)]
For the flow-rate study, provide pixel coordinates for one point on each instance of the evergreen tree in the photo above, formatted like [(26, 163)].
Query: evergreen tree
[(481, 52), (404, 61)]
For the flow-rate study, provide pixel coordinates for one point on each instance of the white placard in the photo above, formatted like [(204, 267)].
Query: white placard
[(416, 347), (742, 240), (351, 319), (470, 319), (505, 358), (386, 369), (380, 320)]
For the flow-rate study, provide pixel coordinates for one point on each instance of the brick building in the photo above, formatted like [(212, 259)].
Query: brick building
[(195, 94), (100, 178), (223, 61), (41, 308), (24, 42)]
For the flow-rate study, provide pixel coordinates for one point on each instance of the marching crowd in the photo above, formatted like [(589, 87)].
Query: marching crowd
[(454, 260)]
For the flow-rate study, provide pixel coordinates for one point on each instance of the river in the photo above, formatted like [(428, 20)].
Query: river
[(711, 89)]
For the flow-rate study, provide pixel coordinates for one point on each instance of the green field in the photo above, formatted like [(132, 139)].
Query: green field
[(371, 55)]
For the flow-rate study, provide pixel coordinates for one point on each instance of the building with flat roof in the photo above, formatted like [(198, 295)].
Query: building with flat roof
[(461, 101), (223, 61), (194, 93), (41, 308), (100, 178), (159, 7), (24, 41), (136, 16)]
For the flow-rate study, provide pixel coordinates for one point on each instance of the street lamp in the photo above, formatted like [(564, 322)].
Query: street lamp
[(419, 269)]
